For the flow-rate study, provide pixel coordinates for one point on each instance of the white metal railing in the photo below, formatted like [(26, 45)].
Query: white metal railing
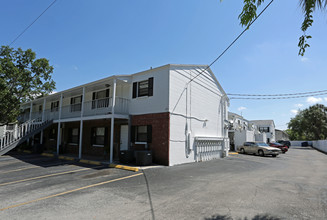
[(94, 107), (208, 148), (19, 132)]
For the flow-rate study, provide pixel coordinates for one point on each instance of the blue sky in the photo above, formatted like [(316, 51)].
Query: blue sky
[(89, 40)]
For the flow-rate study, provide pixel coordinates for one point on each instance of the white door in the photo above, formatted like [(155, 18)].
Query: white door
[(124, 137)]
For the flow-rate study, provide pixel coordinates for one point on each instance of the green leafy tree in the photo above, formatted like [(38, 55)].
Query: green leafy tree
[(249, 13), (309, 124), (22, 78)]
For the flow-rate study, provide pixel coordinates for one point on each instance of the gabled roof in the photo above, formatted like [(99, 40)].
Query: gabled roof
[(263, 122)]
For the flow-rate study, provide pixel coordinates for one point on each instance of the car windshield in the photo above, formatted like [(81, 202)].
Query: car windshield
[(262, 144)]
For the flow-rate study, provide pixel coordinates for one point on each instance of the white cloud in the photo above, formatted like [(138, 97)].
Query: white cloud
[(313, 100), (304, 59), (241, 108), (298, 105), (294, 111)]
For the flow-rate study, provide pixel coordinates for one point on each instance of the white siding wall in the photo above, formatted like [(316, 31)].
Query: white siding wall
[(196, 109), (159, 101), (243, 136)]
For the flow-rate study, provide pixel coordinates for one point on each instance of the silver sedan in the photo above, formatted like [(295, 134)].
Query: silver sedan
[(259, 148)]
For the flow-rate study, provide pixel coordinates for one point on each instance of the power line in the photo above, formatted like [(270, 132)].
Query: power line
[(231, 43), (289, 94), (286, 97), (31, 23)]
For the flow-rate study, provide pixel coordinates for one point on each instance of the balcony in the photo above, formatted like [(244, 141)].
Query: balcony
[(91, 108)]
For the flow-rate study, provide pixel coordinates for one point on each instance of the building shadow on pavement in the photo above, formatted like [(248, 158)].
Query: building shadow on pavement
[(257, 217)]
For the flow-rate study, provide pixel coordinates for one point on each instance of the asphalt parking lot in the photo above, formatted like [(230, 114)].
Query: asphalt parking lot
[(291, 186)]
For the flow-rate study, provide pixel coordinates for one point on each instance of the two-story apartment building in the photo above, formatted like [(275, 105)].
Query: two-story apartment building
[(266, 130), (240, 131), (179, 112)]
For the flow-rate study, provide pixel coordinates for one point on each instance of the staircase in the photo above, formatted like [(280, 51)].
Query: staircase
[(21, 133)]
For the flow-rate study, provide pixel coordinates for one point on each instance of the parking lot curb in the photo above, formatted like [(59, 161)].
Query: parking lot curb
[(90, 162), (66, 158), (123, 167), (47, 155), (233, 153)]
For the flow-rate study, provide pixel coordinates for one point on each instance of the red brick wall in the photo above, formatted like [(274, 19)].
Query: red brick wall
[(160, 135)]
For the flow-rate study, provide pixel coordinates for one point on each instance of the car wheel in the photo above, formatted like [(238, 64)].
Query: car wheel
[(261, 154), (242, 151), (274, 155)]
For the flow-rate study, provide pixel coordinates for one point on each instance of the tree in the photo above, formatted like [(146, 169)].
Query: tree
[(22, 78), (249, 13), (309, 124)]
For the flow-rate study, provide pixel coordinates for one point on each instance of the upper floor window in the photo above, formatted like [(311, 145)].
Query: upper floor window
[(100, 99), (264, 129), (54, 106), (76, 103), (143, 88)]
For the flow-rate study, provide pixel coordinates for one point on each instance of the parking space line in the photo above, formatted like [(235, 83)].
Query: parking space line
[(71, 191), (25, 168), (49, 175), (36, 166)]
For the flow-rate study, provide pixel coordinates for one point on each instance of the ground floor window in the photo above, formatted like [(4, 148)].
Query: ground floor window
[(99, 135), (142, 133), (73, 135)]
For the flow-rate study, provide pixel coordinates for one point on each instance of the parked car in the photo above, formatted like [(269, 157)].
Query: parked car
[(259, 148), (287, 143), (283, 147)]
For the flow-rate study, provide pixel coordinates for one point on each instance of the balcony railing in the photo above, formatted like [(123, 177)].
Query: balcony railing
[(94, 107)]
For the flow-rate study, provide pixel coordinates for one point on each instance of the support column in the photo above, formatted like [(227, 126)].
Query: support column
[(43, 109), (29, 125), (58, 133), (81, 127), (112, 122)]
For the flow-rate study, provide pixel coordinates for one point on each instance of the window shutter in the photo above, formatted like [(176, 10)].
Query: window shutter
[(268, 130), (58, 104), (93, 96), (70, 131), (92, 135), (133, 134), (149, 133), (105, 135), (107, 92), (51, 105), (81, 98), (134, 89), (150, 86)]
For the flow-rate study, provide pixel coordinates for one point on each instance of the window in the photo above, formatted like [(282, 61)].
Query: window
[(100, 99), (54, 106), (264, 129), (73, 135), (76, 104), (142, 133), (99, 136), (53, 134), (40, 108), (143, 88)]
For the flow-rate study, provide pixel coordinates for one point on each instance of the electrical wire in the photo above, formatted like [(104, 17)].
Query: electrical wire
[(231, 43), (286, 94), (31, 23), (286, 97)]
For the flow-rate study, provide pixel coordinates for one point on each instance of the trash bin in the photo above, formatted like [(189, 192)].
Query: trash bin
[(126, 156), (143, 158)]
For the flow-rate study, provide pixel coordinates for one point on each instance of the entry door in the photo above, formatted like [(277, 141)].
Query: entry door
[(124, 137)]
